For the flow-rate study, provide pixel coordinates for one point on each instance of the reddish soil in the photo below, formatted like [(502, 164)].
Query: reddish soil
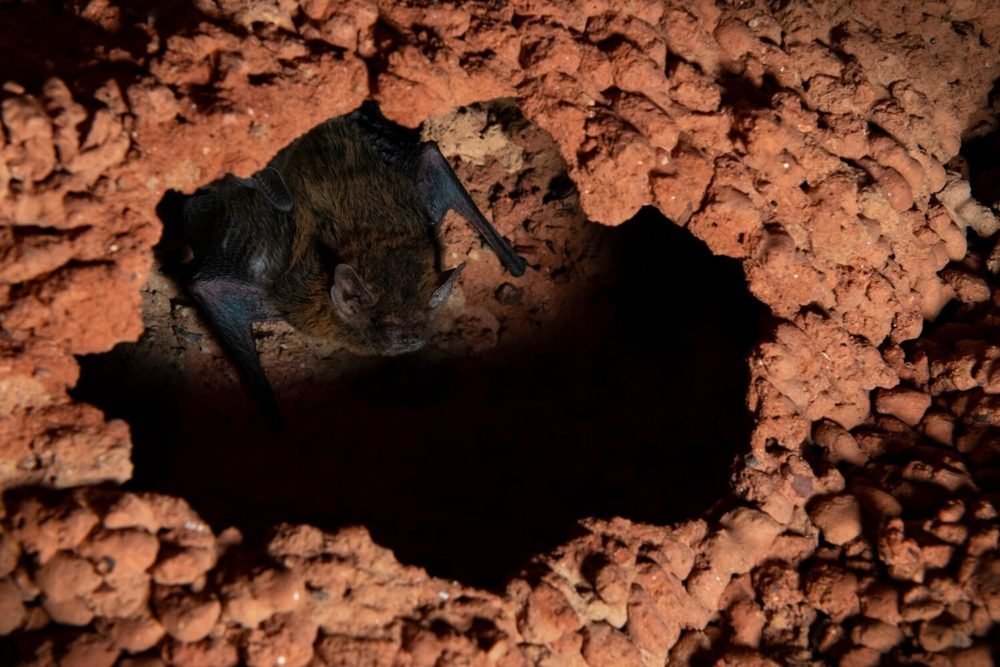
[(850, 517)]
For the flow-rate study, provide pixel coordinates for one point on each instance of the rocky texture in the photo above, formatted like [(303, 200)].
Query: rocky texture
[(807, 140)]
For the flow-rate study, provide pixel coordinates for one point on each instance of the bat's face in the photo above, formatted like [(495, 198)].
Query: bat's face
[(388, 312)]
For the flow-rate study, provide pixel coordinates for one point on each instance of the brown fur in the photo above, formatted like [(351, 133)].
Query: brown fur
[(350, 207)]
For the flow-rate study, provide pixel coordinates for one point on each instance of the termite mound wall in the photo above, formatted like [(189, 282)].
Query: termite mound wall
[(806, 140)]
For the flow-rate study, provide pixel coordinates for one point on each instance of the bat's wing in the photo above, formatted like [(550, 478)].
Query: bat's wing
[(233, 306), (441, 191), (269, 183), (438, 186)]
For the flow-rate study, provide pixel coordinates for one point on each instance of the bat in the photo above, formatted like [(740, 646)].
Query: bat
[(337, 235)]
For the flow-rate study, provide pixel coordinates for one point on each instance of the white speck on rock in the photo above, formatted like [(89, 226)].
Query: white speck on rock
[(195, 526)]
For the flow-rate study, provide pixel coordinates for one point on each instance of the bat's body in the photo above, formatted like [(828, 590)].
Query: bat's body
[(337, 235)]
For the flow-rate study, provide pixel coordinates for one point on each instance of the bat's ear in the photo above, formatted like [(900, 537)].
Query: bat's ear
[(349, 293), (441, 293), (269, 183)]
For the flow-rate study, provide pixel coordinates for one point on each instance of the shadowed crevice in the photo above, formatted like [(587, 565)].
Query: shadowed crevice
[(468, 466)]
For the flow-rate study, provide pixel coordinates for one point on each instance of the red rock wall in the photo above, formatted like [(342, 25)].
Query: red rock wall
[(808, 140)]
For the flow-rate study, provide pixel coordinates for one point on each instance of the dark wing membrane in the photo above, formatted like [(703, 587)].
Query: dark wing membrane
[(439, 189), (202, 213), (232, 306)]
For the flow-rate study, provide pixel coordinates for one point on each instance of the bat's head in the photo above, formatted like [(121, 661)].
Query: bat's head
[(388, 310)]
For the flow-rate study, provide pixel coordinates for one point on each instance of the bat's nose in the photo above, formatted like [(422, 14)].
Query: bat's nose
[(404, 339)]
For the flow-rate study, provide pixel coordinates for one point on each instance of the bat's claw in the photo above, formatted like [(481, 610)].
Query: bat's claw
[(517, 266)]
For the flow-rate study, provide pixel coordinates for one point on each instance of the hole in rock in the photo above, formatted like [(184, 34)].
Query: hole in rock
[(979, 162), (609, 381)]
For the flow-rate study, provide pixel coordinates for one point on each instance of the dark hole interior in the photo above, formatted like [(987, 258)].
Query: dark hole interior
[(634, 406), (980, 148), (468, 466), (978, 162)]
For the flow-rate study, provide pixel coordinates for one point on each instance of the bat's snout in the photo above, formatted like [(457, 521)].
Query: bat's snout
[(401, 340)]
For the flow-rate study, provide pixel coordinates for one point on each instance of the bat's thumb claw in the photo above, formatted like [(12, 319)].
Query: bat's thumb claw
[(517, 268)]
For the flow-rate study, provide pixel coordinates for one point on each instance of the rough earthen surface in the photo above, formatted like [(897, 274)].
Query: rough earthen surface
[(812, 141)]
